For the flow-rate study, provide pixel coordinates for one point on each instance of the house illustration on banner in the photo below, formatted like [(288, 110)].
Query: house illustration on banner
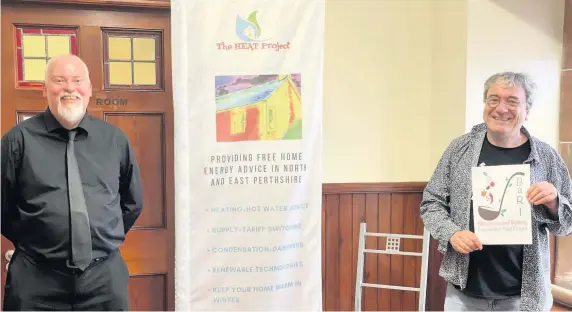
[(268, 109)]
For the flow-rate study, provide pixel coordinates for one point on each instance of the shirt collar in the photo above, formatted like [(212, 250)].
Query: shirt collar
[(53, 124)]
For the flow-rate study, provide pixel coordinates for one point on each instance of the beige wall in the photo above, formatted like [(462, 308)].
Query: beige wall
[(378, 59), (448, 77), (403, 78)]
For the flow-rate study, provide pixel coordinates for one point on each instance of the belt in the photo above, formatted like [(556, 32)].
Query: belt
[(58, 265), (69, 268), (92, 263)]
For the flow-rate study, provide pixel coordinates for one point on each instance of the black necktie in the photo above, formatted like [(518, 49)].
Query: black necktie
[(80, 231)]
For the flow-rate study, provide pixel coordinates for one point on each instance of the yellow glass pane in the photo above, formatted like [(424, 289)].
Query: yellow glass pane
[(34, 46), (58, 45), (34, 70), (145, 74), (144, 49), (120, 73), (119, 48)]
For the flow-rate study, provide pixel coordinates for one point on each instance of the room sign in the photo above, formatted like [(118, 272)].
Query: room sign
[(112, 101)]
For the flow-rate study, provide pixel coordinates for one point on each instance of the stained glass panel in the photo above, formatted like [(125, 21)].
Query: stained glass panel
[(35, 46), (132, 59), (144, 73), (34, 69), (119, 48), (144, 49), (120, 73), (58, 45)]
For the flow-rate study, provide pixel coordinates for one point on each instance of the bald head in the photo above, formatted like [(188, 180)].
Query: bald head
[(68, 89), (65, 59)]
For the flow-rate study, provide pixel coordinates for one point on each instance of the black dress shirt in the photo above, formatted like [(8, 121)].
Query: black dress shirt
[(35, 208)]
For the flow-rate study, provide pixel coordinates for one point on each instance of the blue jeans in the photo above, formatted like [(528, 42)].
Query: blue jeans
[(458, 301)]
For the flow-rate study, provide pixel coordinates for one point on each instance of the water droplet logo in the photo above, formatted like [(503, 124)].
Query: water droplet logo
[(249, 29)]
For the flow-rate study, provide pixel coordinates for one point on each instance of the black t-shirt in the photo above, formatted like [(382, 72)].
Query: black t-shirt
[(496, 271)]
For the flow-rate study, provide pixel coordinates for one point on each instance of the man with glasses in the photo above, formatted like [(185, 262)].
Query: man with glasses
[(498, 277)]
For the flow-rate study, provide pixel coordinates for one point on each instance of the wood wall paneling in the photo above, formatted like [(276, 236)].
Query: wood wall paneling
[(565, 125), (563, 245), (151, 4), (140, 286), (388, 208), (567, 37), (145, 133), (147, 119)]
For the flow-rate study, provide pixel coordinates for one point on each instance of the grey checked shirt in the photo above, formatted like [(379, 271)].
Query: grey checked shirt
[(446, 203)]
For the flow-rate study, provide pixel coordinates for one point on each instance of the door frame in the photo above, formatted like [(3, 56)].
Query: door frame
[(130, 6), (113, 4)]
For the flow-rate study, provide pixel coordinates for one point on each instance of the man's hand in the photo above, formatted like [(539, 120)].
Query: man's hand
[(543, 193), (465, 242)]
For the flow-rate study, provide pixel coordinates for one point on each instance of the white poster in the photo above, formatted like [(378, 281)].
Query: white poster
[(502, 214), (248, 80)]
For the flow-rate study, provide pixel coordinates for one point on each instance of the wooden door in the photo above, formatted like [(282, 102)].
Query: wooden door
[(127, 51)]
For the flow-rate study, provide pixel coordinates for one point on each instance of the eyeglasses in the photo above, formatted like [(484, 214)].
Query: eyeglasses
[(495, 101)]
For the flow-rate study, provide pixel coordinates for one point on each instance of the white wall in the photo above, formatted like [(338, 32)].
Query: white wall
[(403, 78), (527, 36)]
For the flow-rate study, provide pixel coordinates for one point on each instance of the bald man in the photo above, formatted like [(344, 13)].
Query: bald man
[(71, 190)]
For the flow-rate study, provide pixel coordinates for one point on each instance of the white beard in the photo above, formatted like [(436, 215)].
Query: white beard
[(72, 113)]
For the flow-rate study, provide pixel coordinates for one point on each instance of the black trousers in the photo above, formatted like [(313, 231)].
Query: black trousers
[(31, 285)]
